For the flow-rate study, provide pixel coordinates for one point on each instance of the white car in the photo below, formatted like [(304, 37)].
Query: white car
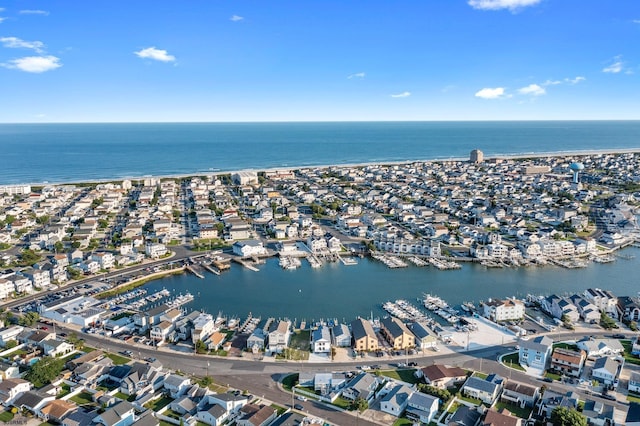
[(301, 398)]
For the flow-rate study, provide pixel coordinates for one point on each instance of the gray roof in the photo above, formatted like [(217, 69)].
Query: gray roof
[(422, 400), (598, 410), (398, 395), (633, 415), (465, 416), (395, 327), (321, 333), (361, 328), (30, 399), (540, 344), (116, 413), (80, 417), (607, 363), (481, 384)]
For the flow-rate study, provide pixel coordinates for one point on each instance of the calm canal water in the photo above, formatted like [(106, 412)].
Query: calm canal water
[(344, 292)]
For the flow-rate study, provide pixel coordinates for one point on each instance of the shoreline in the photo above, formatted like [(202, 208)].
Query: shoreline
[(488, 156)]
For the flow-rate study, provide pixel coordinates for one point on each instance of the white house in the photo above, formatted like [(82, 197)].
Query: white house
[(634, 382), (249, 248), (279, 334), (321, 340), (422, 407), (606, 370), (10, 333), (396, 400), (341, 336), (155, 250), (504, 310)]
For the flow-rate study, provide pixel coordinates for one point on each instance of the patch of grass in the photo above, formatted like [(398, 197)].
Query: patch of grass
[(6, 416), (480, 375), (290, 381), (405, 375), (118, 359), (170, 413), (631, 359), (47, 424), (512, 361), (523, 413), (121, 315), (159, 403), (86, 349), (403, 422), (279, 409), (163, 423), (66, 390), (570, 346), (125, 397), (294, 354), (300, 340), (82, 398), (553, 376), (633, 397), (470, 400), (342, 403), (219, 352), (453, 407), (70, 357)]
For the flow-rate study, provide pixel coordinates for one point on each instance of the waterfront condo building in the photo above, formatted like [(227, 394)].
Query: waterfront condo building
[(568, 362), (476, 156), (397, 334), (504, 310), (364, 338)]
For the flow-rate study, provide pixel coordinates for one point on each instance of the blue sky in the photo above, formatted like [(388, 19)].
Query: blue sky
[(214, 60)]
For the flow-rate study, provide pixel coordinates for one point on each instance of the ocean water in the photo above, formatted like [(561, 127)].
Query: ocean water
[(35, 153)]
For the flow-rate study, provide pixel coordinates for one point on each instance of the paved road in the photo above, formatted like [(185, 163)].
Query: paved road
[(260, 377)]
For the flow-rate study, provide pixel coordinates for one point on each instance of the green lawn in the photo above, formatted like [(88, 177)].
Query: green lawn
[(66, 389), (403, 422), (553, 376), (569, 346), (163, 423), (6, 416), (70, 357), (512, 361), (300, 340), (470, 400), (631, 359), (523, 413), (633, 397), (82, 398), (480, 375), (453, 407), (294, 354), (279, 409), (87, 349), (159, 403), (125, 397), (118, 359), (406, 375), (342, 403), (170, 413), (290, 381)]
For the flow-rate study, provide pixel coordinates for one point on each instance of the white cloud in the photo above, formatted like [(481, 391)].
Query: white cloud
[(236, 18), (155, 54), (2, 19), (616, 65), (34, 12), (576, 80), (567, 80), (34, 64), (401, 95), (532, 89), (490, 93), (636, 21), (356, 75), (512, 5), (16, 43)]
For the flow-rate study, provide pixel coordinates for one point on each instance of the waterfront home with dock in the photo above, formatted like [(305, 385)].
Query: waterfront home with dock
[(397, 333), (364, 338), (503, 310), (279, 335)]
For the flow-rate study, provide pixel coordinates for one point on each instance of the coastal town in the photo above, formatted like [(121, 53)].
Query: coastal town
[(74, 258)]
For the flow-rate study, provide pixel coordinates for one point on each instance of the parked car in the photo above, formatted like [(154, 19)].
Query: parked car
[(298, 407), (619, 336), (301, 398)]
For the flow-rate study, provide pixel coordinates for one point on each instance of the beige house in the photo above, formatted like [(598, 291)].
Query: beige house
[(397, 334), (364, 337)]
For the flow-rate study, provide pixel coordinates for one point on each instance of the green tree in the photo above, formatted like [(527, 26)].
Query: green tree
[(443, 394), (201, 347), (359, 404), (44, 371), (58, 247), (562, 416), (29, 319), (607, 322), (11, 344), (28, 257)]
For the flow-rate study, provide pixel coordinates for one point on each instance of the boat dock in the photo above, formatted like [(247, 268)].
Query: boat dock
[(211, 269), (444, 265), (391, 261), (247, 265), (347, 261), (194, 269), (417, 261), (314, 261)]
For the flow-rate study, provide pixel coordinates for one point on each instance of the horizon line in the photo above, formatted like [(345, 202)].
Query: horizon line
[(323, 121)]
